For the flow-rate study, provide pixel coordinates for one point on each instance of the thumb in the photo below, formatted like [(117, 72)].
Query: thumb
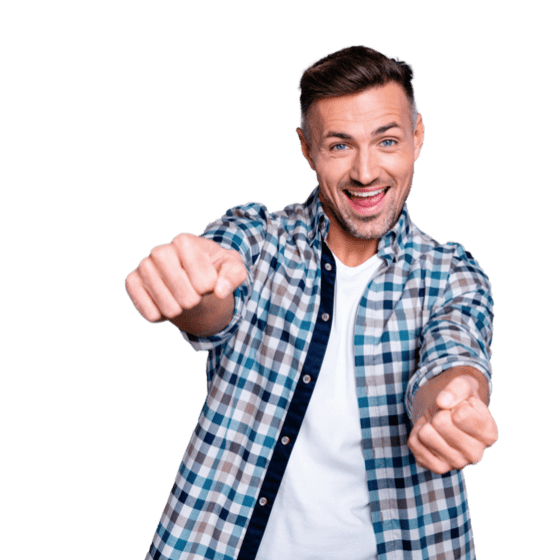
[(223, 288), (231, 273), (458, 389)]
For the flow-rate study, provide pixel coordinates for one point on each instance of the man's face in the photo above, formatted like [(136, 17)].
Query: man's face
[(363, 149)]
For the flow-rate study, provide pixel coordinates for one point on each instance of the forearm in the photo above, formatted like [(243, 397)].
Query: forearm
[(425, 399)]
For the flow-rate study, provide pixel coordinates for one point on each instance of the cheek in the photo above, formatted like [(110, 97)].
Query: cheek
[(402, 171), (332, 173)]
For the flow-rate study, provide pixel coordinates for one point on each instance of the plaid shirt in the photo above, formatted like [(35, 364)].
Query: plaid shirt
[(428, 308)]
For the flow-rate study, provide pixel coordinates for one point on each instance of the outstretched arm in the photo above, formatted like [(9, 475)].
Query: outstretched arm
[(452, 423)]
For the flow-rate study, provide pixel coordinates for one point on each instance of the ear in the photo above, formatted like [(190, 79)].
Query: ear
[(305, 148), (418, 136)]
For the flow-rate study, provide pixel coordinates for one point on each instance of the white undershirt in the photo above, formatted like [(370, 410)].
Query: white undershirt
[(322, 509)]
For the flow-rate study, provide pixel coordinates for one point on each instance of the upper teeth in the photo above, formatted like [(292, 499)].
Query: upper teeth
[(366, 194)]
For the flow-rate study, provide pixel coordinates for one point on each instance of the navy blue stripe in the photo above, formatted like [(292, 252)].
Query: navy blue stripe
[(296, 411)]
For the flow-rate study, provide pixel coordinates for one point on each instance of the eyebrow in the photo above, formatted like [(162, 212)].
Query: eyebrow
[(380, 130)]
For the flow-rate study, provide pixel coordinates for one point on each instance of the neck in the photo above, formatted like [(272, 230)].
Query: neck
[(349, 249)]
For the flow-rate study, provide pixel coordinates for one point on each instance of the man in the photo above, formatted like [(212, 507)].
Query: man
[(348, 369)]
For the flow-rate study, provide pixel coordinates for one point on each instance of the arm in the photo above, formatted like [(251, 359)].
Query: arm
[(189, 282), (452, 423), (447, 397)]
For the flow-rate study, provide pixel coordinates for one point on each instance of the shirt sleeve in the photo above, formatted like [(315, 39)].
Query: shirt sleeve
[(459, 329), (242, 229)]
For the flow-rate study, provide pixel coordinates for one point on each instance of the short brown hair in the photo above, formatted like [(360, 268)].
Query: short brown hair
[(352, 70)]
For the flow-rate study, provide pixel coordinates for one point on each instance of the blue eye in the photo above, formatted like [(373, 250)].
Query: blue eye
[(339, 147), (388, 143)]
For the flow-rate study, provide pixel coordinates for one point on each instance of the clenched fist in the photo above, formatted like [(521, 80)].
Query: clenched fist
[(190, 282), (455, 429)]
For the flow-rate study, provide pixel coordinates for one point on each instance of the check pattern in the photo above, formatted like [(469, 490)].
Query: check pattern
[(428, 308)]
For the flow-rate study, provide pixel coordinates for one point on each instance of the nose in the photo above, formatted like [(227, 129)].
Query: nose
[(365, 167)]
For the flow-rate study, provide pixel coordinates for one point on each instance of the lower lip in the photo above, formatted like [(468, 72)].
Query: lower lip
[(367, 205)]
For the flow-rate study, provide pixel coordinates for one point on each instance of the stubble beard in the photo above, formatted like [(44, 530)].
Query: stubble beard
[(368, 227)]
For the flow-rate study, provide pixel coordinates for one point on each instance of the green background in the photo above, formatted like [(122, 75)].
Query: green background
[(124, 123)]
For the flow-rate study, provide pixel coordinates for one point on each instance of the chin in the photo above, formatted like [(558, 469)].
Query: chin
[(372, 227)]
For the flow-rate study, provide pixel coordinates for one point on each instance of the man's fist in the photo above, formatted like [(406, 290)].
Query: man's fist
[(175, 280), (455, 432)]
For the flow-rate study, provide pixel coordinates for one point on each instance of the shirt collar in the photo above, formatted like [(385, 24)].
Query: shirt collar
[(390, 245), (318, 219)]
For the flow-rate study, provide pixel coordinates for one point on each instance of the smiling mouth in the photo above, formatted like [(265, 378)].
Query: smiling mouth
[(364, 194), (365, 201)]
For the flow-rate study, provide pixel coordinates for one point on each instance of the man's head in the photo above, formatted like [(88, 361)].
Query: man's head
[(361, 134)]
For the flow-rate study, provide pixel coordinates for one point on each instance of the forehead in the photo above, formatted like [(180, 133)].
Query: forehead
[(361, 112)]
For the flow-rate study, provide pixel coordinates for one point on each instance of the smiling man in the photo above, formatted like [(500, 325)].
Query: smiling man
[(348, 369), (363, 147)]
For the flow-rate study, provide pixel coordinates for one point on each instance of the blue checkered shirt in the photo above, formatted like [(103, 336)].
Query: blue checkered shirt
[(428, 308)]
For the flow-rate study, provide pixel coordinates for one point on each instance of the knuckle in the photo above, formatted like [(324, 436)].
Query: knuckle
[(471, 458), (461, 414), (182, 240), (475, 454), (130, 281), (478, 456), (175, 313), (171, 310), (424, 433), (234, 254), (190, 301), (458, 462), (203, 283), (184, 237), (413, 443), (477, 459), (152, 316), (239, 275), (421, 433), (144, 267), (160, 253), (441, 419), (418, 452), (439, 468)]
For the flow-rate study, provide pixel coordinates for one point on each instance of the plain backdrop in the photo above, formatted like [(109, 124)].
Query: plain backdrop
[(125, 123)]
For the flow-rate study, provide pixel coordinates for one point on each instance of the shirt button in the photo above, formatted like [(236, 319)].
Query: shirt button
[(325, 317), (285, 440), (328, 267), (306, 379), (263, 501)]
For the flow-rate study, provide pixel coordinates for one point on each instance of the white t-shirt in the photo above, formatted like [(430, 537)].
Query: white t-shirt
[(322, 509)]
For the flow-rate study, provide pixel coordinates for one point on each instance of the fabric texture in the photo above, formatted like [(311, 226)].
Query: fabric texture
[(428, 308), (322, 507)]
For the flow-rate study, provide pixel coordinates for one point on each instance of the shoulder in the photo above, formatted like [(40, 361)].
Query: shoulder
[(445, 266), (424, 247), (255, 218), (248, 216), (250, 227)]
